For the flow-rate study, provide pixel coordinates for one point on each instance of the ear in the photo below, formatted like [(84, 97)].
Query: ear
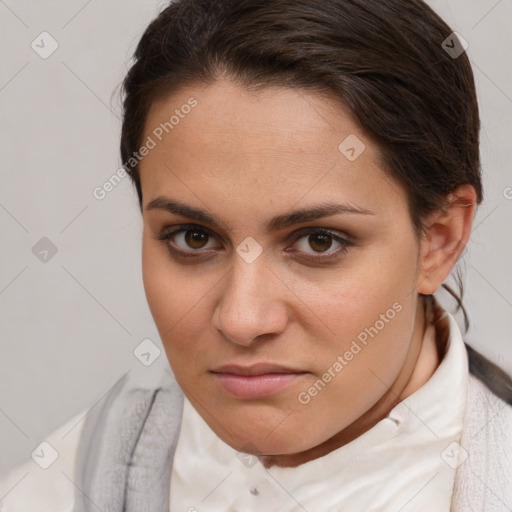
[(446, 234)]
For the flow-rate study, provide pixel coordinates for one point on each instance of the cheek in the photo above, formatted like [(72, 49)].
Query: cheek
[(158, 285), (177, 304), (372, 283), (359, 369), (367, 317)]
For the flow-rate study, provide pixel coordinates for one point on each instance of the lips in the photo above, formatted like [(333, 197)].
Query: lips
[(255, 369), (256, 381)]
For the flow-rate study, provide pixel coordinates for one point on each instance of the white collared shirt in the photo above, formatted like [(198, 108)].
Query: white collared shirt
[(406, 462)]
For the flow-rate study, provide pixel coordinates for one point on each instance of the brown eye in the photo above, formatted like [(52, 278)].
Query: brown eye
[(320, 242), (316, 244), (196, 239), (188, 240)]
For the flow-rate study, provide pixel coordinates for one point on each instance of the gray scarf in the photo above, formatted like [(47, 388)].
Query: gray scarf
[(127, 446)]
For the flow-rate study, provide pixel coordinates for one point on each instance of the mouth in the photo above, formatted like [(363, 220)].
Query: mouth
[(256, 381)]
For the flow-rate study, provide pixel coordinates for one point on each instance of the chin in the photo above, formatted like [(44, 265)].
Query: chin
[(258, 447), (260, 442), (270, 427)]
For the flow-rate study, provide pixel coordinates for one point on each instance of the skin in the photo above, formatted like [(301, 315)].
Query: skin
[(246, 157)]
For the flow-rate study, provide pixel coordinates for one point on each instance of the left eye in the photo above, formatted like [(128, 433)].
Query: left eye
[(321, 241)]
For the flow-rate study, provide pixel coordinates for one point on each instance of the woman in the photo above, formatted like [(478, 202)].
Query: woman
[(308, 174)]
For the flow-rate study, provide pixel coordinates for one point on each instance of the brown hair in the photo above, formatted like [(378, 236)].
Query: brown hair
[(384, 60)]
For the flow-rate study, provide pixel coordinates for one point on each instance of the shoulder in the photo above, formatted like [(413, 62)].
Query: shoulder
[(486, 411), (136, 426), (76, 452), (488, 417), (494, 378), (484, 469), (45, 481)]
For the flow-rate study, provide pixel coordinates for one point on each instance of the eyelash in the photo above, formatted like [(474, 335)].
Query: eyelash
[(302, 233)]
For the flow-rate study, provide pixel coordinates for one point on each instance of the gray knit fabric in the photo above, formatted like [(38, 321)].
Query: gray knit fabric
[(127, 446), (483, 481)]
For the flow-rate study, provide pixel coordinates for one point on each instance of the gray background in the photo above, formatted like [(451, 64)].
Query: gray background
[(69, 325)]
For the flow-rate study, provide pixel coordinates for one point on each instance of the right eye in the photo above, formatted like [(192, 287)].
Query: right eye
[(187, 241)]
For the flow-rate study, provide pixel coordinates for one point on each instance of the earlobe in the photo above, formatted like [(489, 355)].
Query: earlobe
[(445, 238)]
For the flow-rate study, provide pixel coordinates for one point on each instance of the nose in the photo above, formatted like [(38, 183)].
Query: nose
[(252, 305)]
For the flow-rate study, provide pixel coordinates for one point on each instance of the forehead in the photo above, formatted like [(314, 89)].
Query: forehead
[(277, 144), (228, 119)]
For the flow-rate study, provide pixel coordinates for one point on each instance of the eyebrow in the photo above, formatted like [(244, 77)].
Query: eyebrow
[(274, 224)]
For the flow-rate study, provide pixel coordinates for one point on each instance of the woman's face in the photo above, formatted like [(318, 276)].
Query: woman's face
[(286, 300)]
